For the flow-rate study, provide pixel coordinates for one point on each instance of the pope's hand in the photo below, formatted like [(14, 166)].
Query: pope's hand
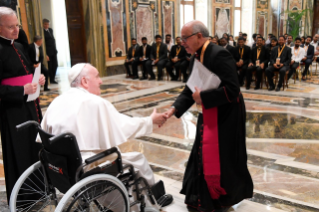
[(170, 113), (30, 88), (196, 96), (158, 118), (42, 80)]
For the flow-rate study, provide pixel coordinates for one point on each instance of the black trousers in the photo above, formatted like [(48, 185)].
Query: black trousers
[(308, 62), (178, 67), (160, 65), (185, 65), (270, 73), (144, 71), (242, 73), (53, 66), (45, 72), (249, 74), (293, 68), (134, 64)]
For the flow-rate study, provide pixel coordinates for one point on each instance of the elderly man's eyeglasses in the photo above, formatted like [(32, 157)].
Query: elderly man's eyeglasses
[(185, 39), (12, 27)]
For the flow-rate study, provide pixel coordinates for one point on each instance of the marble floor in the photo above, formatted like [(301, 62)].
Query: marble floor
[(282, 140)]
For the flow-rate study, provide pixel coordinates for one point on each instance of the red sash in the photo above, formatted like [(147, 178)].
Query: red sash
[(210, 147), (18, 81)]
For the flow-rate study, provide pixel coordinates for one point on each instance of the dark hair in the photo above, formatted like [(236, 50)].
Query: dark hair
[(254, 35), (270, 34), (144, 38), (274, 39), (45, 21), (244, 34), (37, 38), (168, 35), (260, 38), (223, 38), (290, 36), (231, 36), (281, 36), (241, 38), (158, 36), (298, 38), (211, 37), (240, 32), (177, 37), (133, 39), (309, 37), (286, 34)]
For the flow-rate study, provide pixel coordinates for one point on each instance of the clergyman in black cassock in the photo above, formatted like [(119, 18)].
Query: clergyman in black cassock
[(19, 149), (233, 182)]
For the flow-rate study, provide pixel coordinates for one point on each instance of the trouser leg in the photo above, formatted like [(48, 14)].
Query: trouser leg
[(150, 68), (127, 67), (134, 68), (308, 62), (45, 72), (282, 73), (160, 65), (169, 68), (249, 74), (259, 75), (293, 68), (270, 73)]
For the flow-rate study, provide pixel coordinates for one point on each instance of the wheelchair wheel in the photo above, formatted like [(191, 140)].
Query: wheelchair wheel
[(31, 193), (100, 192)]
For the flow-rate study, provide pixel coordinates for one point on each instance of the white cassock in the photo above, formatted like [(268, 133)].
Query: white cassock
[(97, 126)]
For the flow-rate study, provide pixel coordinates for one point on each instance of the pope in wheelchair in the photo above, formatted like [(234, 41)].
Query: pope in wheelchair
[(80, 133)]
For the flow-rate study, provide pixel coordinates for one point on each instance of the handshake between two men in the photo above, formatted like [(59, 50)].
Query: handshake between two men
[(161, 118)]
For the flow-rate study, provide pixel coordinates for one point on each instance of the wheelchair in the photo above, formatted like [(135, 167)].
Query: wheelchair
[(60, 169)]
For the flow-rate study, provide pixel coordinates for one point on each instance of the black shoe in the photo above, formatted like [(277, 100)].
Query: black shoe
[(46, 89), (257, 88), (135, 77), (278, 89), (271, 88), (165, 200), (143, 78), (159, 79), (184, 81), (248, 87), (174, 79), (152, 78), (53, 82)]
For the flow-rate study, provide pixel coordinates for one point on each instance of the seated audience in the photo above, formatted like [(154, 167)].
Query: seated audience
[(169, 43), (145, 54), (315, 43), (280, 58), (231, 41), (241, 56), (176, 59), (259, 58), (132, 58), (303, 41), (269, 39), (289, 42), (309, 53), (223, 43), (298, 54), (158, 58), (214, 40)]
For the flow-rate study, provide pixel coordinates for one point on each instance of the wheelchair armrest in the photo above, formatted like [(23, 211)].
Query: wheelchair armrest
[(101, 155), (26, 125)]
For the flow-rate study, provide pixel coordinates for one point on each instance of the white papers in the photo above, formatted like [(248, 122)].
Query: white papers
[(36, 77), (202, 78)]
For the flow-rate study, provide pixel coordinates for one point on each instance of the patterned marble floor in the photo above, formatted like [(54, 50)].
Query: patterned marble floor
[(282, 140)]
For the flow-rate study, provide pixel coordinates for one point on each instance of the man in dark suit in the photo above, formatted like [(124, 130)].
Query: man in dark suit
[(259, 58), (213, 180), (158, 58), (223, 43), (36, 56), (51, 50), (242, 56), (310, 53), (290, 42), (176, 59), (144, 54), (280, 59), (132, 58)]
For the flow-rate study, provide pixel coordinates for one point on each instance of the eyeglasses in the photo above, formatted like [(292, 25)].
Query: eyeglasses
[(185, 39), (12, 27)]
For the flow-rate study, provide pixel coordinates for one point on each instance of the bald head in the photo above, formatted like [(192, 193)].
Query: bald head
[(9, 24), (315, 38), (194, 35)]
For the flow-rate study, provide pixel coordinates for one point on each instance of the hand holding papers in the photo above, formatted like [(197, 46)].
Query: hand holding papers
[(36, 78), (202, 78)]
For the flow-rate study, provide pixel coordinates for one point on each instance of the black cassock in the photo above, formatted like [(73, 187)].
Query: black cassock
[(19, 149), (231, 116)]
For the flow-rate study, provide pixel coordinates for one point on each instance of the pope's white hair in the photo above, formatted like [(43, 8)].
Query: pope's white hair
[(6, 11), (84, 73)]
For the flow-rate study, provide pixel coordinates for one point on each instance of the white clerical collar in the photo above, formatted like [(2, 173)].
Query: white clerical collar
[(46, 29), (36, 46), (12, 40)]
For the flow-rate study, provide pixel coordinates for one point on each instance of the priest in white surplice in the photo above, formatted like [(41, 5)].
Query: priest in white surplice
[(95, 122)]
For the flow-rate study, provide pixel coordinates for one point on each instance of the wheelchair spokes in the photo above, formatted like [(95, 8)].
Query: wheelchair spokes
[(32, 193), (99, 196)]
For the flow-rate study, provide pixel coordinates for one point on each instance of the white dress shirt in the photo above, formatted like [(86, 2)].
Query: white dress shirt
[(297, 54), (37, 52)]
